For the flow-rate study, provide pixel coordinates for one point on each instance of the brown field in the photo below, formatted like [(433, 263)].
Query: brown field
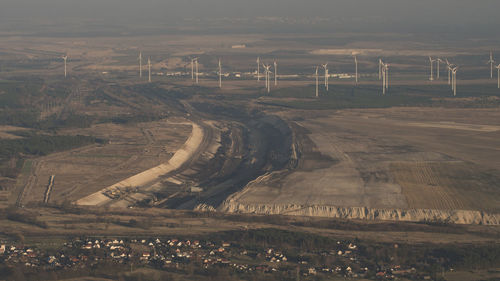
[(425, 187), (6, 132)]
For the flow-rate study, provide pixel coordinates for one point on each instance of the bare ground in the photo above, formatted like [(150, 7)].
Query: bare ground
[(379, 161)]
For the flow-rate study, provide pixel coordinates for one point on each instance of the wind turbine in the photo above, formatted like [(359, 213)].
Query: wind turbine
[(432, 68), (220, 74), (317, 82), (140, 64), (192, 69), (258, 68), (197, 73), (438, 62), (449, 66), (385, 76), (275, 73), (356, 64), (383, 80), (193, 61), (325, 66), (498, 67), (149, 68), (267, 68), (454, 80), (380, 69), (65, 58), (381, 74), (491, 62)]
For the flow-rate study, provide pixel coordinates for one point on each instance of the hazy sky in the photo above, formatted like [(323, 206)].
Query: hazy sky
[(408, 12)]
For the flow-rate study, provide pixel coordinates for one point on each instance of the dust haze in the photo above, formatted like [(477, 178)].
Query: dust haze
[(456, 16)]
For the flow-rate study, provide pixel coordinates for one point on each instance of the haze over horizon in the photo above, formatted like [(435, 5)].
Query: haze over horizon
[(400, 15)]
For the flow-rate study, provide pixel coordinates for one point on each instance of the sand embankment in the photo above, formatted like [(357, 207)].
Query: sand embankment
[(152, 175), (413, 215)]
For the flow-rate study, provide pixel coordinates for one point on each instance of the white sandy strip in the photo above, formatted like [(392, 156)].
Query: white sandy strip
[(180, 157), (408, 52)]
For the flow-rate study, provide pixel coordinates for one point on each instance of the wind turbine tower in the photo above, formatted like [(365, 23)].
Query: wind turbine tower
[(197, 73), (220, 74), (431, 78), (65, 58), (383, 81), (317, 82), (449, 67), (356, 64), (267, 68), (192, 68), (325, 66), (491, 62), (498, 67), (438, 71), (385, 77), (379, 69), (275, 73), (258, 68), (454, 80), (149, 68), (140, 64)]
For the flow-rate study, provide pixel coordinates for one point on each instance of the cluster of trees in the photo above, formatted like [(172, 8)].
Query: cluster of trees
[(38, 145), (272, 237), (16, 93), (67, 121), (18, 117), (29, 118), (348, 97), (370, 96), (22, 216)]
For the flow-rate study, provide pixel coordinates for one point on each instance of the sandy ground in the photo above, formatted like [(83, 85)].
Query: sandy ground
[(5, 132), (394, 158)]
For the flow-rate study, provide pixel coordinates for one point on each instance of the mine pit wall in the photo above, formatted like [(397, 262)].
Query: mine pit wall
[(416, 215)]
